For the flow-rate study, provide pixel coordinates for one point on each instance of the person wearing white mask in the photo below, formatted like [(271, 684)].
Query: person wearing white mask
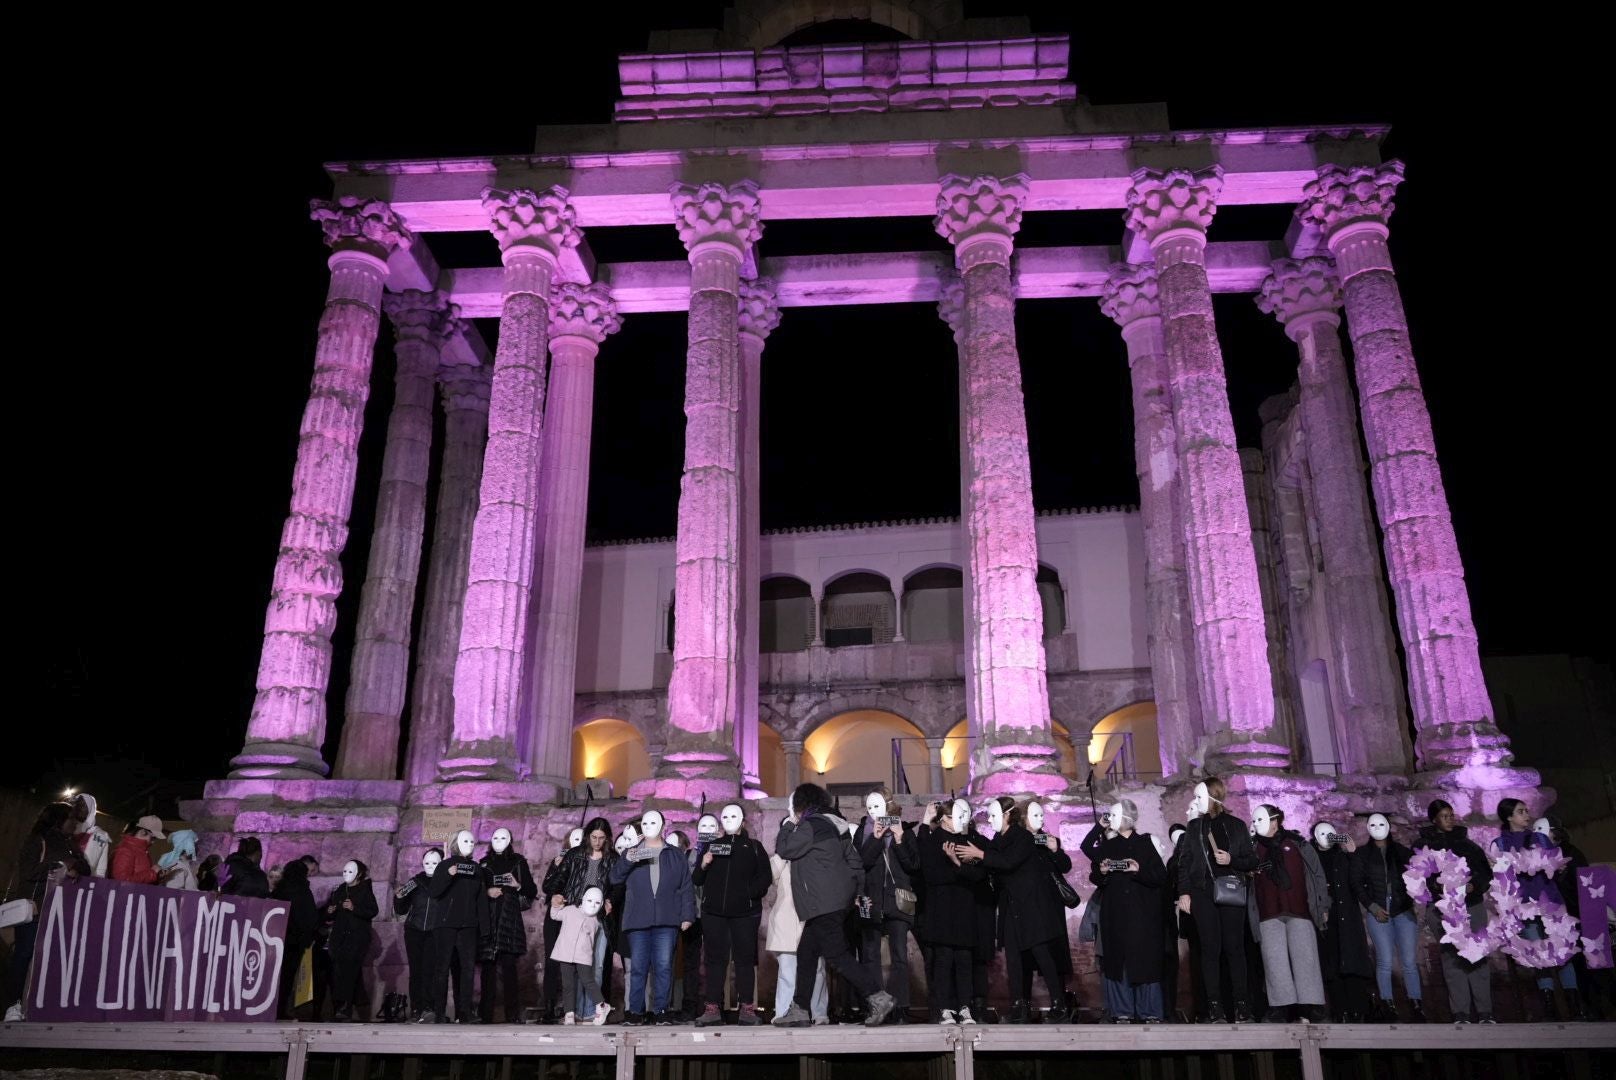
[(575, 871), (889, 861), (511, 891), (949, 922), (1288, 903), (733, 876), (351, 908), (1129, 874), (1344, 957), (412, 901), (461, 888), (1377, 885), (659, 903), (574, 952), (1216, 845)]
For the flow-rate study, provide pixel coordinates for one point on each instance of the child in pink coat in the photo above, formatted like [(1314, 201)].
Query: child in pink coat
[(575, 950)]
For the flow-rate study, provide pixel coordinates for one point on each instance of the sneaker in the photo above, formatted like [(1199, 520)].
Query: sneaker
[(876, 1008), (946, 1017), (748, 1016), (1275, 1016), (633, 1019), (668, 1018), (602, 1011), (1242, 1015), (710, 1016), (426, 1016), (821, 1021), (570, 1019), (797, 1016), (1059, 1014), (965, 1017), (1214, 1013), (1486, 1018)]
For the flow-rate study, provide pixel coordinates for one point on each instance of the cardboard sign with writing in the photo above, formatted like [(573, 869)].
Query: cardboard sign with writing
[(439, 826)]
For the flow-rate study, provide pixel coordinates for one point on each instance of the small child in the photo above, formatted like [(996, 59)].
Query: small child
[(575, 950)]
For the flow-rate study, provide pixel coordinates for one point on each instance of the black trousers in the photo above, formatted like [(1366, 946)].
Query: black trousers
[(552, 969), (690, 942), (1222, 932), (951, 979), (725, 937), (504, 966), (823, 937), (896, 933), (453, 947), (418, 948), (346, 969), (1018, 964)]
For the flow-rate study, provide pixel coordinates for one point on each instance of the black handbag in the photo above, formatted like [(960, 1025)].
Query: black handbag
[(1228, 890), (1068, 895)]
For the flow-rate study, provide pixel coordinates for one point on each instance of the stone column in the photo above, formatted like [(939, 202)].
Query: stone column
[(793, 751), (1366, 692), (581, 316), (1133, 299), (979, 216), (718, 226), (816, 593), (1453, 714), (897, 612), (532, 228), (464, 391), (381, 655), (759, 313), (1172, 210), (287, 727), (1281, 665), (951, 309), (934, 765), (1081, 740)]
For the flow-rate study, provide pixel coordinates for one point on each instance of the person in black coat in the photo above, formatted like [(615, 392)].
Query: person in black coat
[(242, 875), (1343, 943), (302, 921), (1470, 989), (1031, 917), (732, 872), (1216, 844), (511, 891), (571, 874), (414, 902), (461, 887), (949, 922), (1377, 885), (1129, 873), (889, 863), (351, 909), (1177, 929)]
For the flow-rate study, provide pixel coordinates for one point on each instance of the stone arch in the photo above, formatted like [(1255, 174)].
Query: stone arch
[(762, 24), (934, 604), (858, 608), (609, 749), (855, 747), (861, 701), (771, 761), (1125, 741)]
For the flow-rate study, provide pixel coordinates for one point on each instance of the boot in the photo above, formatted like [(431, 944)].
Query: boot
[(1214, 1013), (1550, 1013), (748, 1016), (1018, 1013), (1242, 1014), (1416, 1011), (979, 1009), (710, 1016)]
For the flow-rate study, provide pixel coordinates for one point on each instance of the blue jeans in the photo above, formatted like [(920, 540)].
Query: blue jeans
[(586, 1005), (650, 950), (1532, 930), (1402, 934), (1127, 1000)]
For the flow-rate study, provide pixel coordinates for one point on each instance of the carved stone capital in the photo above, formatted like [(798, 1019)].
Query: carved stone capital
[(1161, 203), (526, 220), (1341, 196), (352, 223), (1301, 291), (586, 311), (713, 213), (417, 314), (759, 307), (1130, 293), (951, 306), (980, 211)]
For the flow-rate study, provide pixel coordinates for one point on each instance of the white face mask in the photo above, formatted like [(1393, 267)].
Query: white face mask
[(1541, 825), (960, 815), (592, 901), (1379, 827), (1322, 832), (1202, 802), (733, 818), (707, 827), (995, 817), (1173, 839), (501, 841), (1265, 825), (630, 837), (430, 861), (651, 823), (465, 843), (875, 804), (1035, 817), (672, 840), (350, 873), (575, 839)]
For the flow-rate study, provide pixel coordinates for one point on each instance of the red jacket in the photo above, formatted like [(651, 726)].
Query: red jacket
[(130, 862)]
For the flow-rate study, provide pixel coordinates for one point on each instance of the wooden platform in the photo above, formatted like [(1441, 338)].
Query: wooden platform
[(952, 1045)]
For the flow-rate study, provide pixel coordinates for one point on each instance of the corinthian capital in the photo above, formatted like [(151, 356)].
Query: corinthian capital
[(1341, 196), (1130, 293), (713, 213), (532, 220), (352, 223), (465, 387), (416, 314), (759, 307), (1300, 290), (951, 306), (586, 311), (1161, 202), (980, 209)]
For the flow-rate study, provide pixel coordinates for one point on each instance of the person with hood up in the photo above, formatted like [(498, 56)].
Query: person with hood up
[(92, 840), (1377, 883), (302, 922), (1470, 990), (583, 866), (242, 875), (351, 909), (1288, 903), (825, 873), (659, 904), (733, 874), (511, 891), (414, 902), (889, 866), (131, 859), (460, 888), (47, 854), (1343, 943), (177, 867)]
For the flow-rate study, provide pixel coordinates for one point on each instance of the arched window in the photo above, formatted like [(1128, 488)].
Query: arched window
[(1053, 599), (859, 609), (1124, 745), (852, 752), (785, 615), (934, 605), (608, 749)]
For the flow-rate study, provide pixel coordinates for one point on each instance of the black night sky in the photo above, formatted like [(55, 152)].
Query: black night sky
[(177, 390)]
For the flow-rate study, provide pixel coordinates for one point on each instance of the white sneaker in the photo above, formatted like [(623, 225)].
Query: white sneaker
[(14, 1014), (965, 1017), (946, 1017), (602, 1011), (570, 1019)]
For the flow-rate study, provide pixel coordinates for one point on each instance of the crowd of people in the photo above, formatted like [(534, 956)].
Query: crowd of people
[(1276, 924)]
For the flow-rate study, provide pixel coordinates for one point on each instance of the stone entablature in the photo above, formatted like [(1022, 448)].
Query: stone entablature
[(893, 76)]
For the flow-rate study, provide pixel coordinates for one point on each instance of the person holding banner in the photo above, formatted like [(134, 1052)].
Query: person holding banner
[(177, 867), (92, 839), (131, 859), (47, 854), (351, 908), (301, 923)]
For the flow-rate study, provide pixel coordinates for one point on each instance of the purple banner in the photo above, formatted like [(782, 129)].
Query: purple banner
[(108, 950)]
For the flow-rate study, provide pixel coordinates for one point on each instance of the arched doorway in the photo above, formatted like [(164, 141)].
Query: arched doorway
[(852, 752), (1124, 745), (608, 749)]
